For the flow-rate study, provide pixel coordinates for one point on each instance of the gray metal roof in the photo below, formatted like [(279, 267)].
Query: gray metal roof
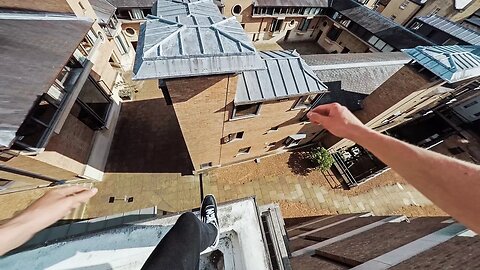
[(103, 9), (469, 36), (186, 10), (132, 3), (350, 70), (35, 47), (187, 45), (285, 75), (451, 63), (290, 3)]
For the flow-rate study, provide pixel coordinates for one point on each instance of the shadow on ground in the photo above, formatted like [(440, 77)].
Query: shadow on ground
[(299, 163), (148, 139)]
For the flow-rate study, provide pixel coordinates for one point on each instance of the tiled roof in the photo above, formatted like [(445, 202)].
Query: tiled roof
[(290, 3), (35, 47), (183, 42), (286, 75), (469, 36), (451, 63), (103, 9)]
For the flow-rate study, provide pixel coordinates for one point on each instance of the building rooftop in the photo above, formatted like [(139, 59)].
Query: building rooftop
[(451, 63), (132, 3), (183, 42), (392, 33), (128, 245), (187, 10), (32, 56), (291, 3), (469, 36), (103, 9), (285, 75)]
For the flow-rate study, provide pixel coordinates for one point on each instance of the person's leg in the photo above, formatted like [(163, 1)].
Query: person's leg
[(182, 245)]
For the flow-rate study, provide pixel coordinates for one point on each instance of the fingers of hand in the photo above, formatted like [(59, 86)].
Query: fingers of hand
[(317, 118), (67, 191), (83, 196)]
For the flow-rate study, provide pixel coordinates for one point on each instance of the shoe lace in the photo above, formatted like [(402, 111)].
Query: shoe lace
[(210, 216)]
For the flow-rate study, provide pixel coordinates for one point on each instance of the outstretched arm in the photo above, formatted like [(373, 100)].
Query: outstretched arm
[(50, 208), (451, 184)]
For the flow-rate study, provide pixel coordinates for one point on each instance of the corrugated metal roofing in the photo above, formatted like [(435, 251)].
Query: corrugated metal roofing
[(290, 3), (469, 36), (286, 75), (35, 47), (103, 9), (188, 44), (451, 63)]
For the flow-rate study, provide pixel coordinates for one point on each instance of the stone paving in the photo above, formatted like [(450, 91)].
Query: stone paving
[(379, 200)]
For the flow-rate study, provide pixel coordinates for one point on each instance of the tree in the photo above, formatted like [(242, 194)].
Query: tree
[(322, 159)]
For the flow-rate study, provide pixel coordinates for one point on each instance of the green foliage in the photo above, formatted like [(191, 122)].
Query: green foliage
[(322, 159)]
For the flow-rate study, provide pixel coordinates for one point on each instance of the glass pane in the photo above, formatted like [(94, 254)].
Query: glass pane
[(373, 40), (44, 112), (94, 99), (31, 133), (56, 93)]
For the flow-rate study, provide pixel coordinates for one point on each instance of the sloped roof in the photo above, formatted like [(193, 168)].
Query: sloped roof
[(182, 9), (35, 47), (290, 3), (389, 31), (132, 3), (285, 75), (451, 63), (461, 4), (103, 9), (188, 44), (467, 35), (350, 70)]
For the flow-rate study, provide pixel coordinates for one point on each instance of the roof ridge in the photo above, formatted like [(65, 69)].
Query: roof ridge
[(447, 20), (222, 32)]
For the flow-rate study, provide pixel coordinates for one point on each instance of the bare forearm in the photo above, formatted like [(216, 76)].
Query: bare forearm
[(451, 184), (15, 232)]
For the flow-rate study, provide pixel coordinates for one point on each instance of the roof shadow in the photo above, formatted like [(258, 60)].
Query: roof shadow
[(148, 139)]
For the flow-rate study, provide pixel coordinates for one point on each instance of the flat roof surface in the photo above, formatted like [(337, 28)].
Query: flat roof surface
[(285, 75), (128, 246), (451, 63), (467, 35), (35, 47), (192, 39), (132, 3)]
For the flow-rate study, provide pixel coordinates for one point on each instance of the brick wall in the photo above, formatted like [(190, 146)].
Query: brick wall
[(204, 106)]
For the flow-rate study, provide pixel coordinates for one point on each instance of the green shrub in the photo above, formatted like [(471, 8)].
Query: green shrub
[(322, 159)]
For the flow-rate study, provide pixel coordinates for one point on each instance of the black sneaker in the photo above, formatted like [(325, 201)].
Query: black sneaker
[(208, 214)]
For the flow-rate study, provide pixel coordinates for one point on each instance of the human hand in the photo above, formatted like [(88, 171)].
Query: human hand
[(56, 204), (51, 207), (338, 120)]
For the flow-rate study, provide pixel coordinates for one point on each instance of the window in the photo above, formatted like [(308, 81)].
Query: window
[(4, 184), (434, 12), (305, 102), (136, 14), (456, 150), (273, 129), (237, 9), (334, 33), (130, 31), (404, 4), (416, 25), (345, 23), (303, 26), (393, 17), (206, 165), (234, 137), (122, 44), (241, 111), (270, 145), (244, 151), (276, 25), (294, 140)]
